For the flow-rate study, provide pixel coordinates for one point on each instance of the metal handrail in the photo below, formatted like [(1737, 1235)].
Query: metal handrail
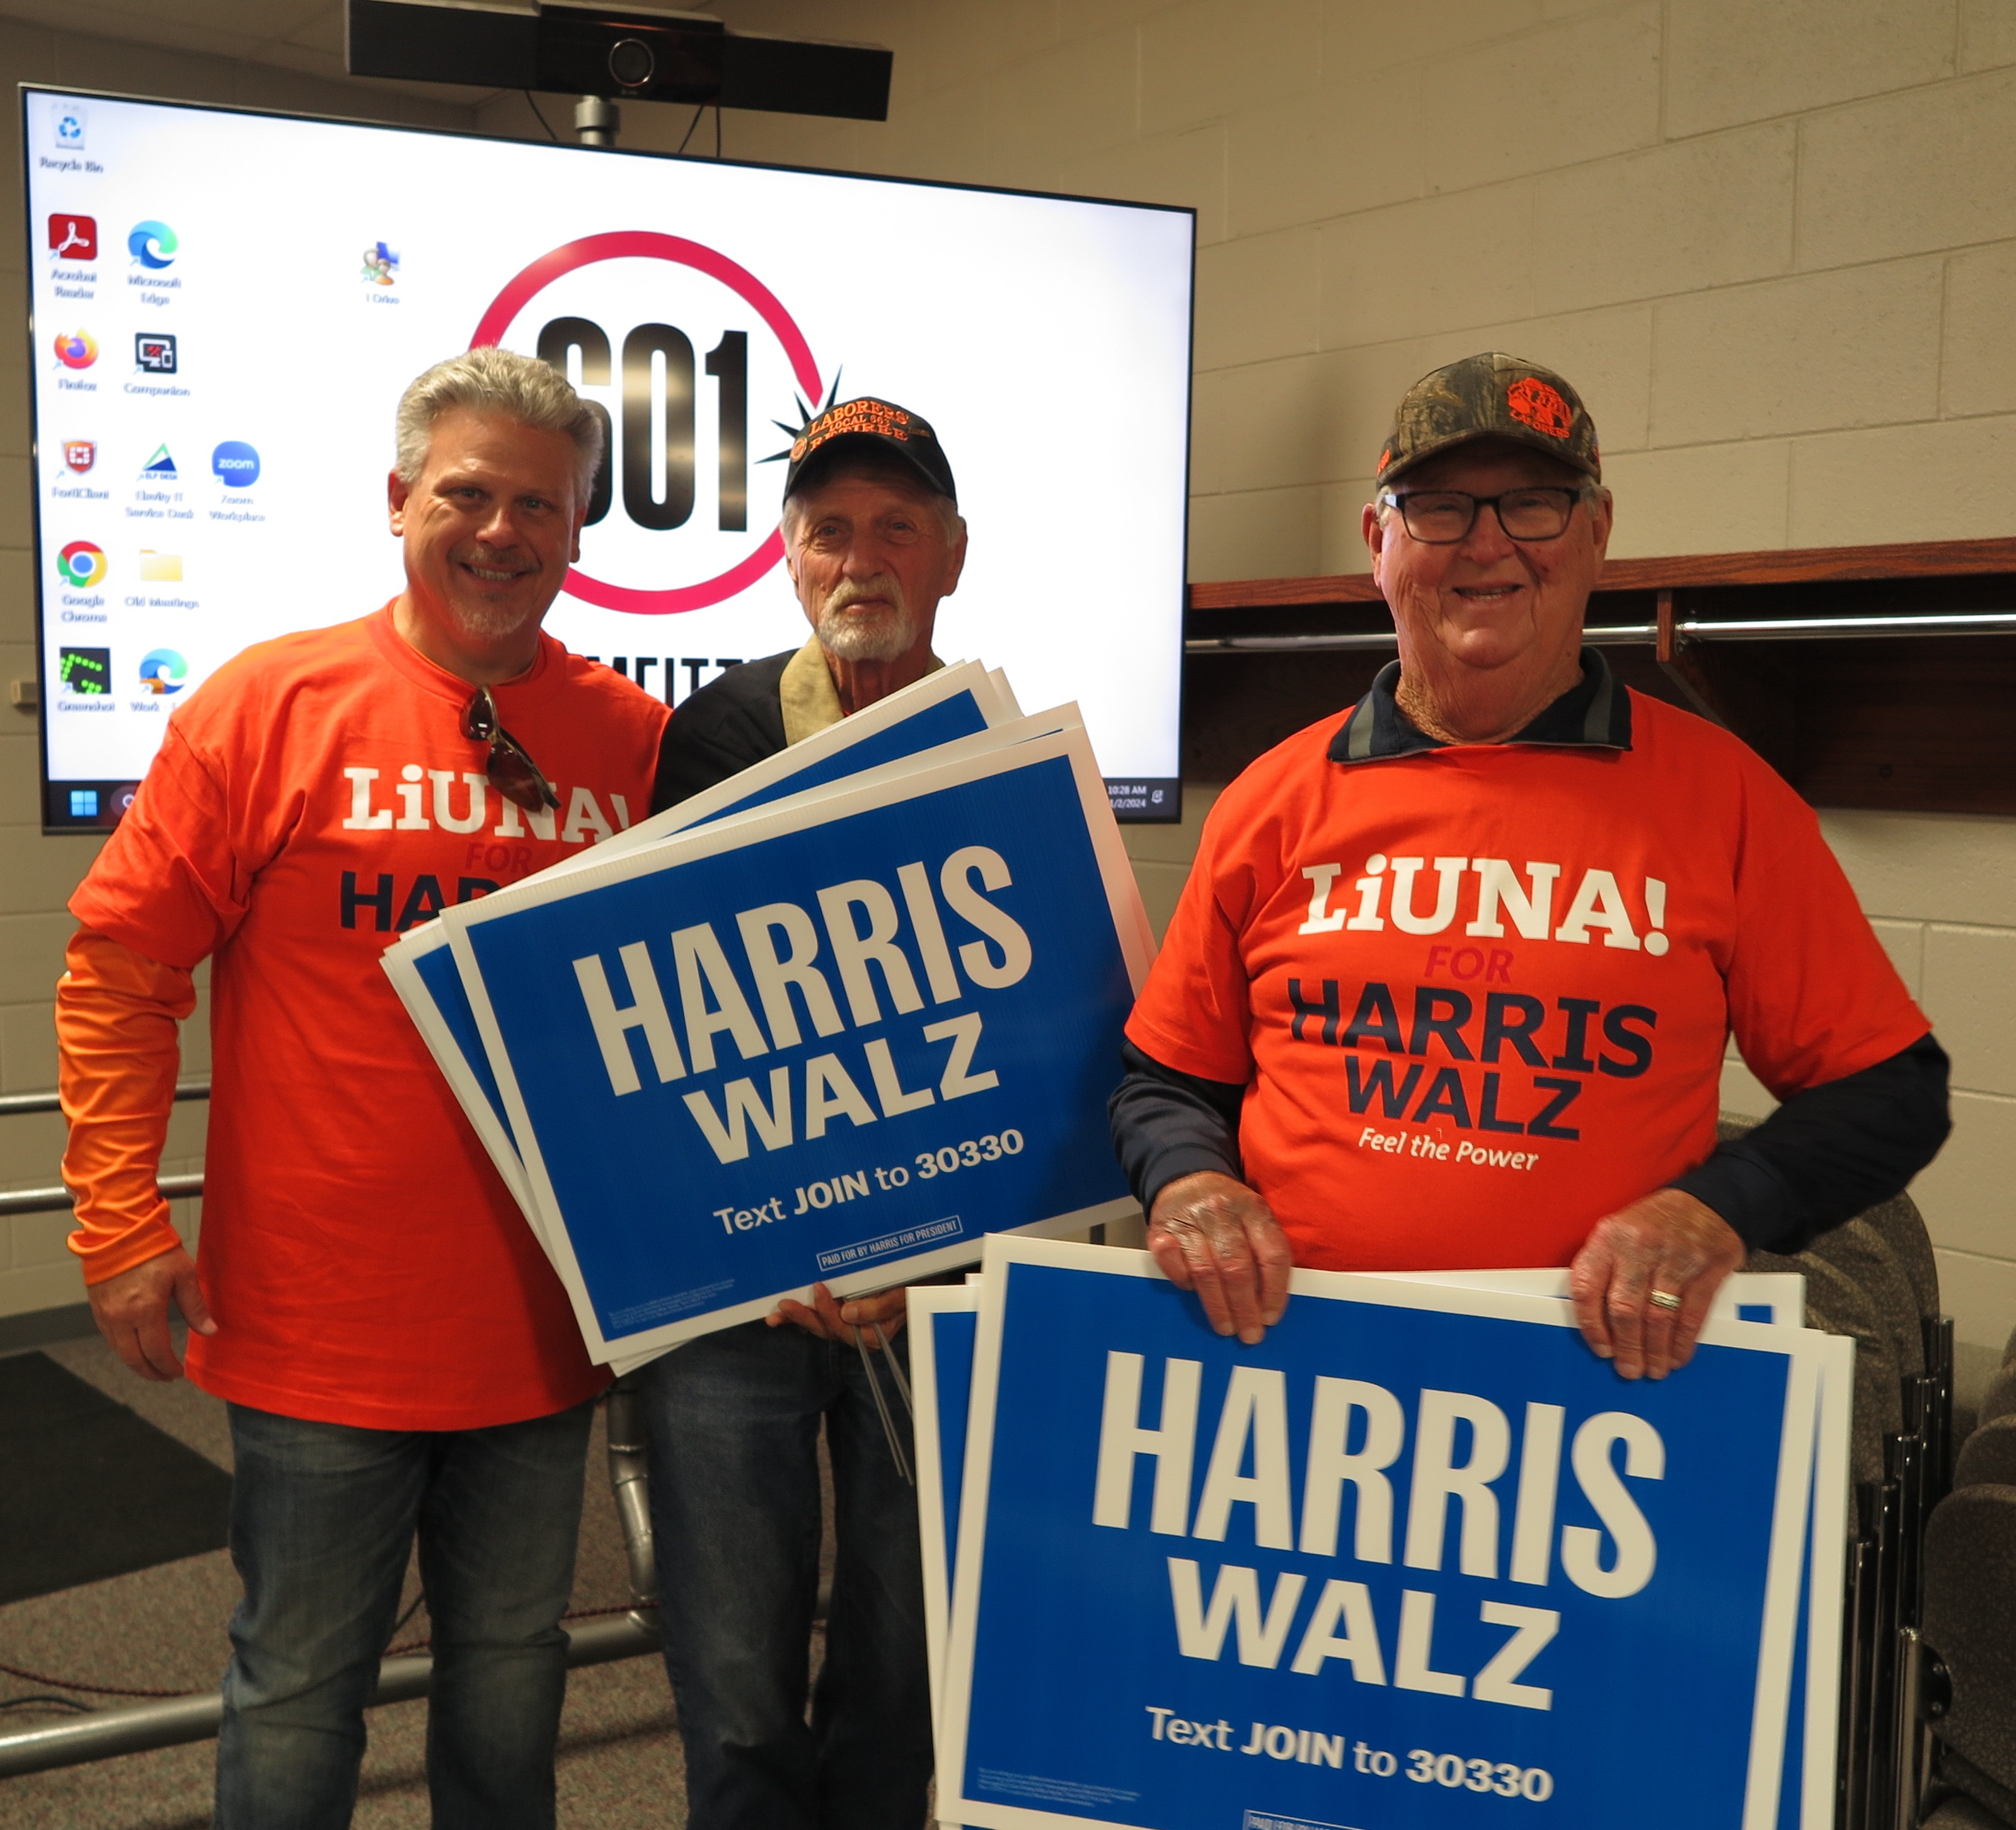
[(1818, 628), (135, 1727), (13, 1104), (60, 1199), (169, 1721)]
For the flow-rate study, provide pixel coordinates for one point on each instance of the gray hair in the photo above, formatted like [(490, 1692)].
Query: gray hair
[(487, 380)]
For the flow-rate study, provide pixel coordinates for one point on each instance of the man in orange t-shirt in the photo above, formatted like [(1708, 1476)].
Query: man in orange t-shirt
[(1451, 979), (397, 1354)]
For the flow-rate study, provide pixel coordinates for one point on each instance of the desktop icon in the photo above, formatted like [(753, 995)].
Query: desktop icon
[(152, 244), (82, 564), (73, 238), (85, 673), (163, 671), (155, 351), (160, 568), (380, 265), (80, 454), (66, 127), (160, 466), (76, 349), (235, 463)]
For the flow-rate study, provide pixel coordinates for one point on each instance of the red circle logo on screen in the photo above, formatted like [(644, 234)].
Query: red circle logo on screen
[(681, 351)]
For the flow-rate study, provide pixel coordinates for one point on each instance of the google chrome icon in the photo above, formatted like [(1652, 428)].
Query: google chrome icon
[(163, 671), (82, 564), (76, 349)]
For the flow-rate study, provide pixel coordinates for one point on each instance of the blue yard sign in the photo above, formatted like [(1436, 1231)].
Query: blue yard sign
[(1419, 1559), (943, 1318), (956, 702), (840, 1039)]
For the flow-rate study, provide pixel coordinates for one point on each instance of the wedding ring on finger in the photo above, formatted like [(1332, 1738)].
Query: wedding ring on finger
[(1665, 1299)]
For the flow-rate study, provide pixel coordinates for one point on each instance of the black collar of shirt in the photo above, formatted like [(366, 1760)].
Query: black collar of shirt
[(1594, 713)]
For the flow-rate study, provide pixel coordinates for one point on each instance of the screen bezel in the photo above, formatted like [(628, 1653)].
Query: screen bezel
[(114, 797)]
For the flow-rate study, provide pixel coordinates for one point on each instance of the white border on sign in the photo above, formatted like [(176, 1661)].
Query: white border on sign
[(1832, 1479), (1783, 1292), (891, 784), (927, 1302), (401, 964), (871, 721), (1799, 1347)]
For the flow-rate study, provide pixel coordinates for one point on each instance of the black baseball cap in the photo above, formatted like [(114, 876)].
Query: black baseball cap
[(878, 425)]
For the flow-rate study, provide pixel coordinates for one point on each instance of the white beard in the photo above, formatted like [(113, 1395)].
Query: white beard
[(857, 635)]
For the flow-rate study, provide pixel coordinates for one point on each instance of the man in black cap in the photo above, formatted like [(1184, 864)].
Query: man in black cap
[(1335, 1065), (873, 539)]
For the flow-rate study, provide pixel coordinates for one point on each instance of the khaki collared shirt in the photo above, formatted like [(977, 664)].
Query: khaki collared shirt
[(811, 701)]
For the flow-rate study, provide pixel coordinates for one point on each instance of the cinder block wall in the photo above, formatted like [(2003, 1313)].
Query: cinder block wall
[(1774, 243)]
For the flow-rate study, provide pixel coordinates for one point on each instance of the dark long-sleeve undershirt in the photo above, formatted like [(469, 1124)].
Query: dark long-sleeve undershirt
[(1824, 1156)]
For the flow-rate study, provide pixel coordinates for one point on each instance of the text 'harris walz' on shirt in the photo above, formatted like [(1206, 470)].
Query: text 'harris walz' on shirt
[(1507, 1033)]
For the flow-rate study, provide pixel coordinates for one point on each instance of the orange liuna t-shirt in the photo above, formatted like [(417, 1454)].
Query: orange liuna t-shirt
[(1481, 996), (314, 799)]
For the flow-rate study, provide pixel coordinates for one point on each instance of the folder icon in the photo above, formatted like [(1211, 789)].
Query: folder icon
[(161, 568)]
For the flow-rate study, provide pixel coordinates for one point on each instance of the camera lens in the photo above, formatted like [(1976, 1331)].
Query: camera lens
[(631, 63)]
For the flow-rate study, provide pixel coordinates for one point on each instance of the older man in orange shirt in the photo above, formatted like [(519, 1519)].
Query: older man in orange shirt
[(1452, 977)]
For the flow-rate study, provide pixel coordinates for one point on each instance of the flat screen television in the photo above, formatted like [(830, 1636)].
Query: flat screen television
[(224, 306)]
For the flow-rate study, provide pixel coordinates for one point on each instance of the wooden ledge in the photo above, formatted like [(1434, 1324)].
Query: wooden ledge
[(1904, 721), (1909, 559)]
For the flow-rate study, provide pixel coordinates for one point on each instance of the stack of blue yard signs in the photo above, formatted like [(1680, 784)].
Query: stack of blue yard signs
[(1419, 1557), (834, 1021)]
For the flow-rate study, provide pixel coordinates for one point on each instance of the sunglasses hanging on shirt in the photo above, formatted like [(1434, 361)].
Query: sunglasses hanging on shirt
[(509, 770)]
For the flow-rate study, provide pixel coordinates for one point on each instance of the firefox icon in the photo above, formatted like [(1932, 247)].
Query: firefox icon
[(76, 349)]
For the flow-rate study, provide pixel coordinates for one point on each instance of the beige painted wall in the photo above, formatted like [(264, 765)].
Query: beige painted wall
[(1772, 242)]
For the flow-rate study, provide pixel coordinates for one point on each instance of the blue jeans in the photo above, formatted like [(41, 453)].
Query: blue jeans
[(735, 1512), (323, 1520)]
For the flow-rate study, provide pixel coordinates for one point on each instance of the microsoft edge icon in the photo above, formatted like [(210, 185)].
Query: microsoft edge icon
[(163, 671), (152, 244), (235, 463)]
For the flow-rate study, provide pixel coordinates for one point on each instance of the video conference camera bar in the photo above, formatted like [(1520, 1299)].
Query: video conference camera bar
[(569, 47)]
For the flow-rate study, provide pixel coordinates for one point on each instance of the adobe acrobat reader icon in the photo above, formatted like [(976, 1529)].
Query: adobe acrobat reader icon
[(73, 238)]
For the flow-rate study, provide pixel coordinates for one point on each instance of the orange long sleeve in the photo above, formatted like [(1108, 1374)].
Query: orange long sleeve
[(117, 1013)]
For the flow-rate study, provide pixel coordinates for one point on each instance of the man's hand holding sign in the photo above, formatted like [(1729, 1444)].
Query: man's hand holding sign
[(1451, 980), (1642, 1284)]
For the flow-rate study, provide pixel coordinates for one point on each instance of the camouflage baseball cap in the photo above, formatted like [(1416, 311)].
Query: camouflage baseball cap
[(1490, 396)]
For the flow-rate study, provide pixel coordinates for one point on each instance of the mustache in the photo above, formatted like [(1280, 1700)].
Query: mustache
[(850, 591), (507, 559)]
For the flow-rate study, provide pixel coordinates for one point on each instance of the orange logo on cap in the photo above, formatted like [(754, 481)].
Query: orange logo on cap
[(855, 416), (1385, 457), (1535, 404)]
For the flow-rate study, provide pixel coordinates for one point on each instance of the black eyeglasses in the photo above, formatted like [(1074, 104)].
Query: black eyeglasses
[(509, 770), (1441, 517)]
